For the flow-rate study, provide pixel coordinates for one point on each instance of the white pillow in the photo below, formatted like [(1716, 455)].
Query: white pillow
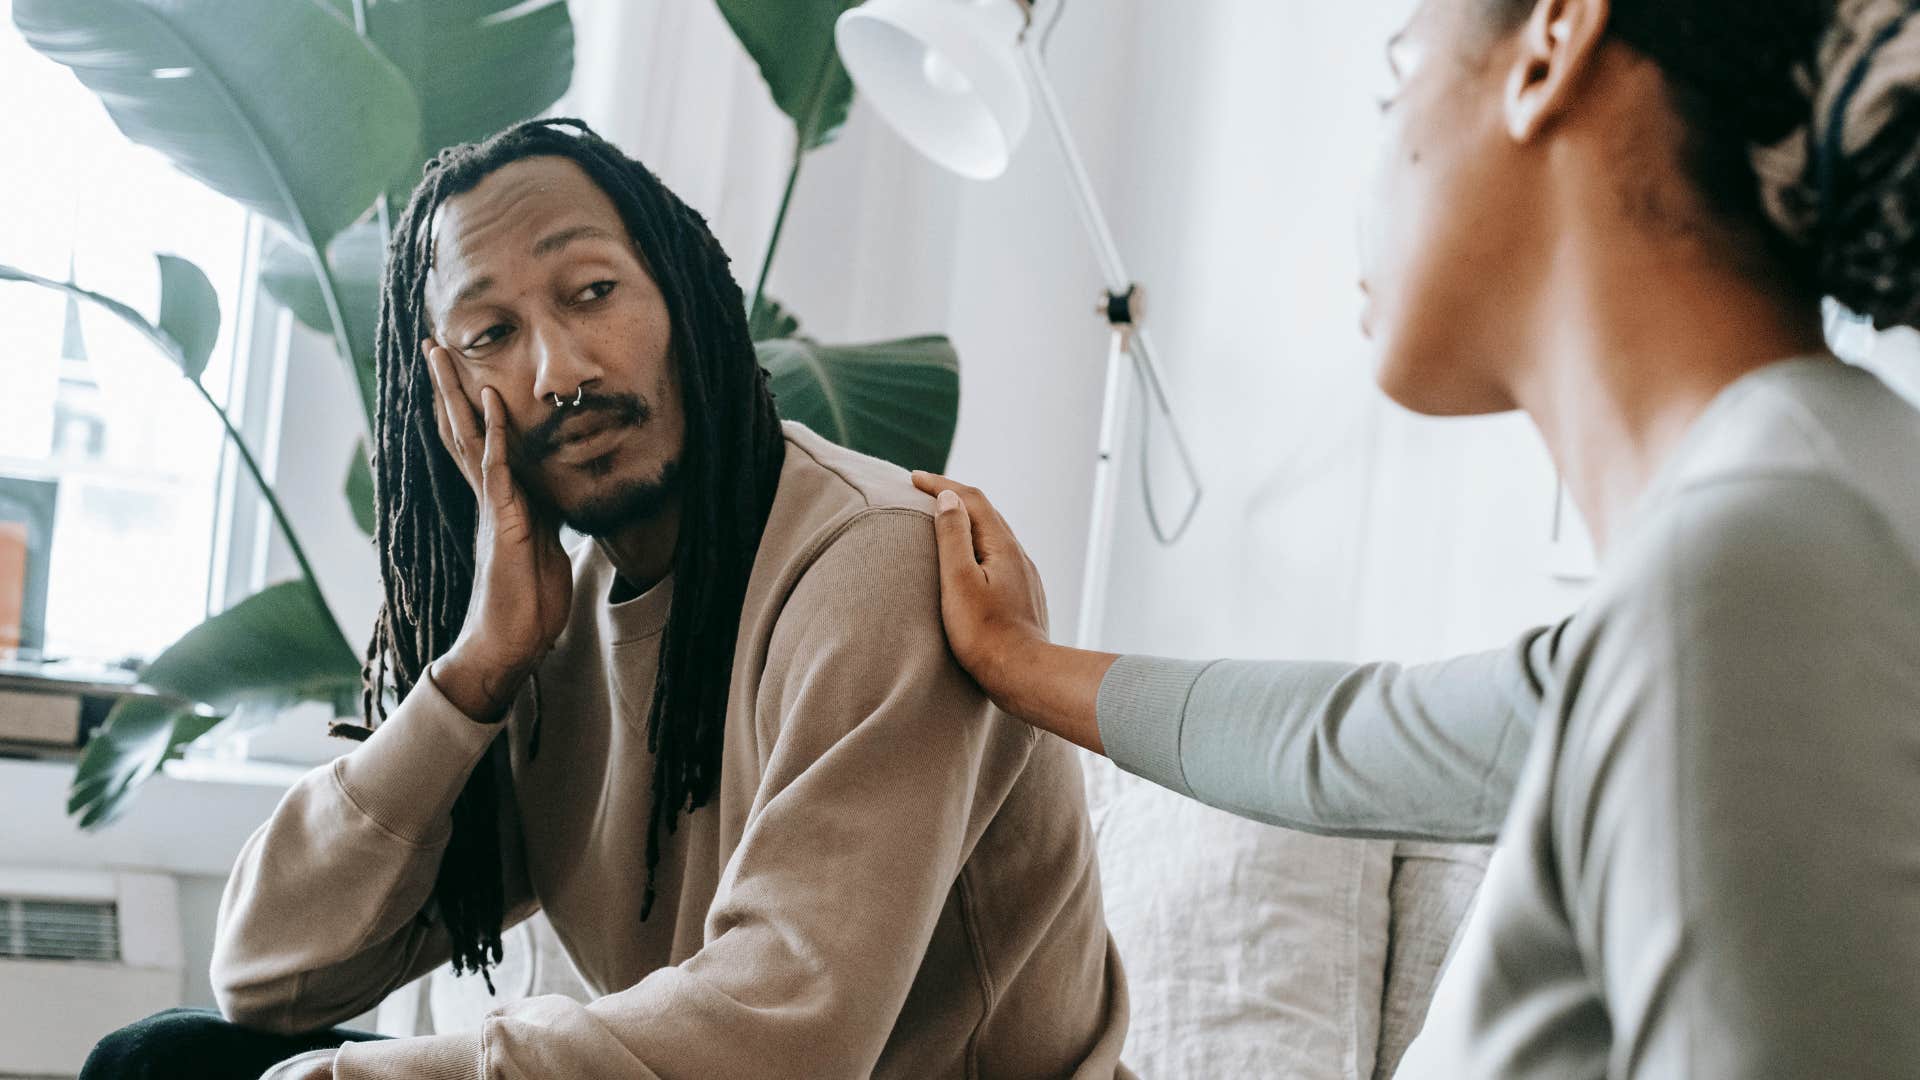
[(1250, 951)]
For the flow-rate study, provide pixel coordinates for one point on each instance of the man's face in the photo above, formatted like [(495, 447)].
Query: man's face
[(537, 290)]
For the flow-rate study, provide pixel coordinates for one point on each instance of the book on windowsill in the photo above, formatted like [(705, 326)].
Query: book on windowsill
[(48, 708)]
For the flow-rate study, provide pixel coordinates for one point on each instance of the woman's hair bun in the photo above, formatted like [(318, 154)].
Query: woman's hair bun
[(1846, 186)]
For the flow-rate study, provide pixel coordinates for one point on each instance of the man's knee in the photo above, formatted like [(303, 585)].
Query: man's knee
[(171, 1045)]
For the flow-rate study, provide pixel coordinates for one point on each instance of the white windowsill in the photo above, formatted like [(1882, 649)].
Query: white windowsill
[(177, 825)]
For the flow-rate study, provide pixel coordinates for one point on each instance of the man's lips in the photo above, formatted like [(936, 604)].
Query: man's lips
[(589, 438), (583, 427)]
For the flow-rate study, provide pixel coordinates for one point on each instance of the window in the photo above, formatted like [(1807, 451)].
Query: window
[(89, 412)]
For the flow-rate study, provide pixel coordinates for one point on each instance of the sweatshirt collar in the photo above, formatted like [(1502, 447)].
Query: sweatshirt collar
[(633, 619)]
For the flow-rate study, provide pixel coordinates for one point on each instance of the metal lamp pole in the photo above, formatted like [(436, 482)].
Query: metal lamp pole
[(1122, 307)]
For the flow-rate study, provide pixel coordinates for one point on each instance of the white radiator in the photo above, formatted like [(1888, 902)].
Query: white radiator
[(81, 953)]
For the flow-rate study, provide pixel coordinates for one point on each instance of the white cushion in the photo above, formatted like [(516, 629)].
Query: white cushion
[(1250, 951)]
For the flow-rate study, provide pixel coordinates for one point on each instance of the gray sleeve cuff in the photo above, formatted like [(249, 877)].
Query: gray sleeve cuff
[(1142, 708)]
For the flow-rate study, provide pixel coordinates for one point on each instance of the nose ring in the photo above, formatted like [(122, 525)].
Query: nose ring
[(579, 395)]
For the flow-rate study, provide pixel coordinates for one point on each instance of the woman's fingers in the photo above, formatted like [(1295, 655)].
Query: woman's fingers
[(993, 538), (953, 535), (991, 601), (932, 483)]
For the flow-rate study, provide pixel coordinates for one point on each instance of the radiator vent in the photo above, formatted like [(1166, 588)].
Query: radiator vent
[(59, 930)]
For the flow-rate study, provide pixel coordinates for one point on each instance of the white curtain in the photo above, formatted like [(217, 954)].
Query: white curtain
[(668, 82)]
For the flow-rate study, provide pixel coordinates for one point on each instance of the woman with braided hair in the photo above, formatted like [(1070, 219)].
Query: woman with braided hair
[(1620, 216)]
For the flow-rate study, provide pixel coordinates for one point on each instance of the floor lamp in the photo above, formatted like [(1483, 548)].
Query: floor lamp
[(957, 79)]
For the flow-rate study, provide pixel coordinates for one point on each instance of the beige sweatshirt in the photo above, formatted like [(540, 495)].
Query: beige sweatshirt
[(894, 879)]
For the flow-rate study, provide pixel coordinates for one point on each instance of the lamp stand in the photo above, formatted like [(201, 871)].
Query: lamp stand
[(1129, 341)]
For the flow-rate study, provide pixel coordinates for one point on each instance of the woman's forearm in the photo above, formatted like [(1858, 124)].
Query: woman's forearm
[(1055, 688), (1431, 752)]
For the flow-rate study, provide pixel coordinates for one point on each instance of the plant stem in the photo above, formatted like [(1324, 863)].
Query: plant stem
[(273, 504), (779, 225), (804, 133), (171, 349), (331, 289), (330, 293)]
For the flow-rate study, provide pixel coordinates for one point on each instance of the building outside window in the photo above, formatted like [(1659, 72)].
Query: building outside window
[(87, 406)]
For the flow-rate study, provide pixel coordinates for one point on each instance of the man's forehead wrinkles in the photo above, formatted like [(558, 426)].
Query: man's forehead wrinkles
[(545, 246), (484, 230)]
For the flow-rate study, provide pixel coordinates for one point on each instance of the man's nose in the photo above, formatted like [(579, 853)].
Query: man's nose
[(562, 366)]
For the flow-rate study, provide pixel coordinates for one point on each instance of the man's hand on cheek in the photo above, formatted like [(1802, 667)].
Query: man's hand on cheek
[(522, 581)]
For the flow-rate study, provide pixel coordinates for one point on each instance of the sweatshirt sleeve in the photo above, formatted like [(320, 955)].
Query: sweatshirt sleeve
[(1431, 752), (323, 915), (881, 764)]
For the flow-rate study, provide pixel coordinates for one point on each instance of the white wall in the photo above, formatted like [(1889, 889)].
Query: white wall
[(885, 244), (1231, 141), (1337, 525), (191, 831)]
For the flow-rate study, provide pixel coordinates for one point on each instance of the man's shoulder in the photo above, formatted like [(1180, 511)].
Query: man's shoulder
[(838, 478), (844, 514)]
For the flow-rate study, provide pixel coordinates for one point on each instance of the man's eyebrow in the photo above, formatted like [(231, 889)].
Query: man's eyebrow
[(546, 245), (553, 242), (471, 291)]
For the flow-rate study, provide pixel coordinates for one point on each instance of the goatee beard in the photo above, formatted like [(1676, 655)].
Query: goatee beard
[(604, 515)]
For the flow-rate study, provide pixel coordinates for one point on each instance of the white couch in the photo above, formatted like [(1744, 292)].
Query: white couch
[(1251, 951)]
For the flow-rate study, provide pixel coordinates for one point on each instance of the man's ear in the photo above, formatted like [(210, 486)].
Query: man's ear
[(1557, 46)]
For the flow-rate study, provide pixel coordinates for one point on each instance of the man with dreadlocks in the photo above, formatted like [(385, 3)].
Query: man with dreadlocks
[(721, 743)]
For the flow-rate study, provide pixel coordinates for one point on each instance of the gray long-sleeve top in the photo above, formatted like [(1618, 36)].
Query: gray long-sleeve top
[(1707, 783)]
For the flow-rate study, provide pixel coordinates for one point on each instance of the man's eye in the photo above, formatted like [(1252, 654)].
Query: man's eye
[(596, 291), (489, 336)]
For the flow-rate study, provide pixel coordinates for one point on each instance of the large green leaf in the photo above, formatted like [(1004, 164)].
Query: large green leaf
[(139, 736), (359, 489), (895, 400), (770, 319), (356, 258), (279, 644), (275, 647), (280, 106), (189, 312), (476, 65), (170, 348), (792, 41)]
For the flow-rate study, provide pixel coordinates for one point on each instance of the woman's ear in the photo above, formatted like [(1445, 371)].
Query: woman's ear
[(1557, 46)]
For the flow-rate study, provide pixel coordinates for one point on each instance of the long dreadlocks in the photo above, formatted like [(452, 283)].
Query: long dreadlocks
[(427, 514)]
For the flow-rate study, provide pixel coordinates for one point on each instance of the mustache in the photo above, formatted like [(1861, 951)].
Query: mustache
[(626, 410)]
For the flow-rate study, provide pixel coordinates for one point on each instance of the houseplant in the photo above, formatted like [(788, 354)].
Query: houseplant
[(315, 115)]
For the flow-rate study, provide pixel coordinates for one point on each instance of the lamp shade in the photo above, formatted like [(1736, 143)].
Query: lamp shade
[(945, 74)]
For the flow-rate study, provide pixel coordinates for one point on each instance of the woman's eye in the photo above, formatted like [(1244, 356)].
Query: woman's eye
[(596, 291)]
